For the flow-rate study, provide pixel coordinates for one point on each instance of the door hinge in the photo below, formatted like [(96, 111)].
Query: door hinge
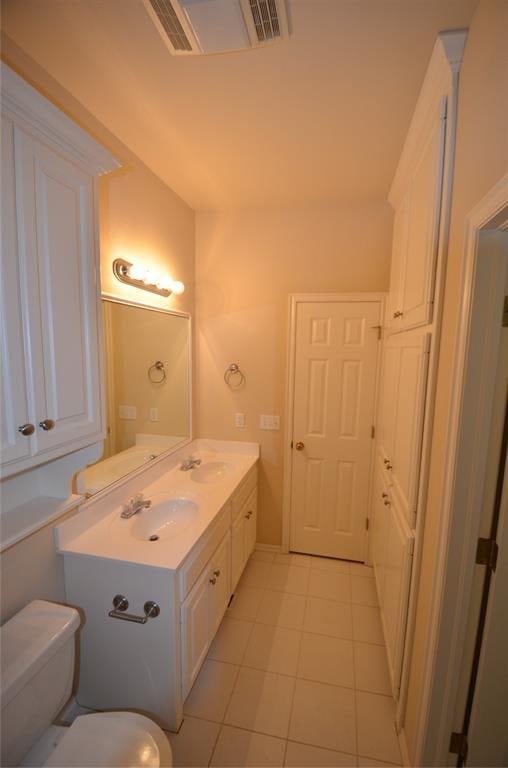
[(379, 329), (458, 745), (505, 312), (486, 553), (291, 445), (373, 431), (367, 523)]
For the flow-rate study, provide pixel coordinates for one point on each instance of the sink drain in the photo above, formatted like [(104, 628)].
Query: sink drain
[(153, 538)]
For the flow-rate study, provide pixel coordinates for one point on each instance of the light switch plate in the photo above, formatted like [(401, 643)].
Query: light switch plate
[(127, 412), (269, 422)]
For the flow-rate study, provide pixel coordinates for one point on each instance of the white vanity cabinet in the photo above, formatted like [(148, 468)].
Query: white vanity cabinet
[(51, 387), (416, 232)]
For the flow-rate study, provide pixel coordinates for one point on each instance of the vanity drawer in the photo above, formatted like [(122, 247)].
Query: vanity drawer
[(201, 554), (242, 494)]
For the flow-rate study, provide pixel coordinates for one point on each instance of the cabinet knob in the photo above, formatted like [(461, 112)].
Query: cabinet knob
[(384, 495), (47, 424), (300, 446), (216, 573), (213, 580), (387, 464), (387, 503), (26, 429), (398, 313), (248, 515)]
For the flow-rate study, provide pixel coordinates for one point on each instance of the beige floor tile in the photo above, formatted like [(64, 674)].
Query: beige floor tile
[(376, 727), (303, 756), (245, 603), (332, 586), (324, 716), (327, 660), (371, 668), (359, 569), (328, 617), (255, 574), (288, 578), (261, 702), (273, 649), (330, 564), (237, 748), (282, 608), (230, 641), (193, 744), (263, 556), (368, 761), (363, 590), (367, 627), (212, 689), (293, 558)]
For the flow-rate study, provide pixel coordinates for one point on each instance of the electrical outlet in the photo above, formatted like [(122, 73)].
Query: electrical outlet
[(239, 419), (269, 422)]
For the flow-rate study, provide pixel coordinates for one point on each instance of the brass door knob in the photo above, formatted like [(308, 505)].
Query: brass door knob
[(47, 424), (26, 429), (299, 446)]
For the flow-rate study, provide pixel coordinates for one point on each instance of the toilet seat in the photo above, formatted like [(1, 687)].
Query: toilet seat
[(116, 739)]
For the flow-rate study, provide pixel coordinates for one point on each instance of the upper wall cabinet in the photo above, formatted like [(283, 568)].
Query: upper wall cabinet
[(49, 291)]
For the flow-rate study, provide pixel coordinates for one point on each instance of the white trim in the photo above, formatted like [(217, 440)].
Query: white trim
[(459, 511), (33, 112), (294, 300), (268, 547)]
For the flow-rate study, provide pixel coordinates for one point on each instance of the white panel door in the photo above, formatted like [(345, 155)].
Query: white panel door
[(14, 393), (336, 355), (56, 238)]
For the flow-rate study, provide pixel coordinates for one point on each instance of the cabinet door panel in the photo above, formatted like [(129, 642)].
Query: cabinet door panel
[(423, 229), (55, 203), (379, 514), (220, 592), (237, 549), (250, 528), (14, 395), (399, 253), (388, 400), (194, 631)]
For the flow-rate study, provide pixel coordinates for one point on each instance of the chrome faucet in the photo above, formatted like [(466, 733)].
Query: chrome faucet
[(189, 463), (135, 505)]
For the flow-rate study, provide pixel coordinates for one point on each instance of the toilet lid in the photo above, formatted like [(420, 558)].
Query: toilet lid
[(116, 739)]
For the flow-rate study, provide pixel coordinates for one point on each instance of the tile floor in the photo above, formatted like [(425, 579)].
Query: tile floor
[(297, 674)]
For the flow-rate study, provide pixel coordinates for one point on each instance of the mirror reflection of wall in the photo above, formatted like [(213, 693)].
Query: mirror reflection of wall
[(147, 404)]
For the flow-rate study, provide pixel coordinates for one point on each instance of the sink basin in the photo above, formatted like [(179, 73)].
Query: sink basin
[(212, 470), (164, 519)]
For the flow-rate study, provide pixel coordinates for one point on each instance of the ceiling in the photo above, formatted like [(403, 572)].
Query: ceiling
[(318, 117)]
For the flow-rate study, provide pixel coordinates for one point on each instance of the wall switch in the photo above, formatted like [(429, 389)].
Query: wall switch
[(154, 414), (127, 412), (269, 422), (239, 419)]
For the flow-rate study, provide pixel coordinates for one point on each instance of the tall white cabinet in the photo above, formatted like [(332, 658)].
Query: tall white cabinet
[(420, 196), (51, 400)]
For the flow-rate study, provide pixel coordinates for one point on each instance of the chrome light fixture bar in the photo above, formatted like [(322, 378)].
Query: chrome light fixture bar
[(146, 279)]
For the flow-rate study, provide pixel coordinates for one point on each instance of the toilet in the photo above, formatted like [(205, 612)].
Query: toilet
[(37, 647)]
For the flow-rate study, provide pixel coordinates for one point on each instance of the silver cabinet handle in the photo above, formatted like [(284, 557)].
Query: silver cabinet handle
[(47, 424), (26, 429), (121, 604)]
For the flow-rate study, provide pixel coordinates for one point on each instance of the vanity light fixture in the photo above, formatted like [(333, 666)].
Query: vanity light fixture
[(146, 278)]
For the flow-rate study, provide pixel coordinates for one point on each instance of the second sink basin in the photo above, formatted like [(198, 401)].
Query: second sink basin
[(164, 519), (212, 470)]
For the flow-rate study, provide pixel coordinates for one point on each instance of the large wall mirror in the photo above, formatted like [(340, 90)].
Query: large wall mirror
[(147, 359)]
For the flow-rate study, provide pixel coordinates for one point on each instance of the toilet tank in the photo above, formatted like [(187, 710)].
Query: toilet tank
[(37, 659)]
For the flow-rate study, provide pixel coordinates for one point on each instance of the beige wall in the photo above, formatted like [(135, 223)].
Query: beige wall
[(481, 160), (247, 264)]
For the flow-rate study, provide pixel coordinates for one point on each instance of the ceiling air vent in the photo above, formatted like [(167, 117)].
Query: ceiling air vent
[(216, 26)]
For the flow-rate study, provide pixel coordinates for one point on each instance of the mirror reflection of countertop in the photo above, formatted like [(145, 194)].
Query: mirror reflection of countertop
[(184, 505)]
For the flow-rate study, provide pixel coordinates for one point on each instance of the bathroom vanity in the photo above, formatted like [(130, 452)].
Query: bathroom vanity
[(184, 554)]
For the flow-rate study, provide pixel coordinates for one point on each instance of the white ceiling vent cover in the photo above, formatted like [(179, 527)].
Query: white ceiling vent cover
[(193, 27)]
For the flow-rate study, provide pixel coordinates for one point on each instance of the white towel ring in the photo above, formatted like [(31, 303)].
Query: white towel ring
[(233, 376)]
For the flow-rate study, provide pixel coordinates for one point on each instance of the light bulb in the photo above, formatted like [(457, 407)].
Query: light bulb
[(136, 272), (164, 283), (177, 287), (151, 277)]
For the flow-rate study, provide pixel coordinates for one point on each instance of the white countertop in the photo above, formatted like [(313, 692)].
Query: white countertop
[(99, 531)]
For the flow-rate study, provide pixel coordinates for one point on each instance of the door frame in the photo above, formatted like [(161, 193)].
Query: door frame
[(477, 338), (294, 300)]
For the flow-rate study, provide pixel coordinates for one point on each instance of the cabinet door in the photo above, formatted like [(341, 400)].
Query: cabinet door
[(195, 630), (379, 515), (55, 203), (220, 585), (423, 228), (405, 459), (398, 266), (250, 528), (14, 395), (388, 404), (237, 549)]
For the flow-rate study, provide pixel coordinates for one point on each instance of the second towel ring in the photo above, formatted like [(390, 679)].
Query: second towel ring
[(157, 372), (233, 376)]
